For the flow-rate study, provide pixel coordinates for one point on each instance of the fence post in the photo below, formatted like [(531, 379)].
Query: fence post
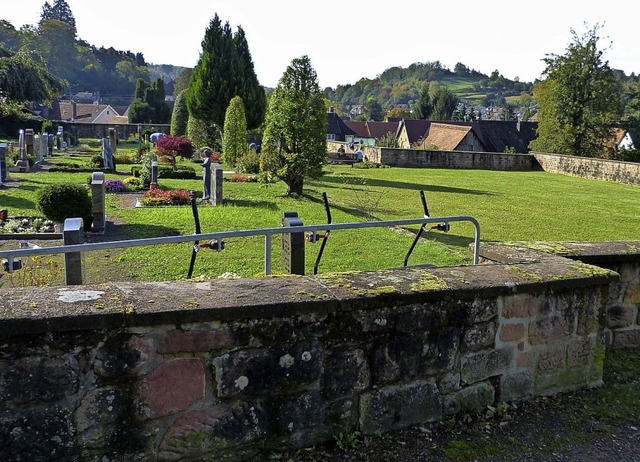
[(73, 234), (293, 245)]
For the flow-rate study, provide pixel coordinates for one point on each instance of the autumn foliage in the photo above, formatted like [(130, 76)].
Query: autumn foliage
[(170, 147)]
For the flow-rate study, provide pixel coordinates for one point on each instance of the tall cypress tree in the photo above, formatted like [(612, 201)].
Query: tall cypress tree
[(224, 70), (249, 89)]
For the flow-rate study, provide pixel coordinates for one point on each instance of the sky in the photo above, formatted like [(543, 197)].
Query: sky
[(352, 39)]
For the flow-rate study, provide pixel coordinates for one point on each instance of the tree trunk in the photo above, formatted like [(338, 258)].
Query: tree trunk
[(294, 186)]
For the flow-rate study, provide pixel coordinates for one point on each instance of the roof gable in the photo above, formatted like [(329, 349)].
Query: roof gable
[(446, 137)]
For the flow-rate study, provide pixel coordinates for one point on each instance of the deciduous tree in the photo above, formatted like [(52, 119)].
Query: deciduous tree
[(294, 143), (578, 100), (170, 147)]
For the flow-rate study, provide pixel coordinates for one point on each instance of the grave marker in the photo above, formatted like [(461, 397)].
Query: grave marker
[(97, 201), (216, 198)]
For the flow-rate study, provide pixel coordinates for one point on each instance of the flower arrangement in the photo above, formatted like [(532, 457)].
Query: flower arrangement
[(114, 186), (159, 197), (244, 178)]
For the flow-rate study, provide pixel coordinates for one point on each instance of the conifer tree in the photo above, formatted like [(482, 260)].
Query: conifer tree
[(294, 145), (223, 71), (234, 143)]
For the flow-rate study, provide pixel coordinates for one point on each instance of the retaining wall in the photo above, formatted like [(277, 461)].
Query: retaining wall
[(230, 369), (588, 167)]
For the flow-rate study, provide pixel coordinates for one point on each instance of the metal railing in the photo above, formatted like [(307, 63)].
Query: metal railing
[(268, 233)]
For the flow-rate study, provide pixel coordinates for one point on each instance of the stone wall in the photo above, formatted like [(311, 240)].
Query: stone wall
[(230, 369), (587, 167), (416, 158)]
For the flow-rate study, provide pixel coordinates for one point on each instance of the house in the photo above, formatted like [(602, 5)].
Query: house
[(487, 135), (337, 130), (447, 137), (367, 133), (411, 131), (71, 111)]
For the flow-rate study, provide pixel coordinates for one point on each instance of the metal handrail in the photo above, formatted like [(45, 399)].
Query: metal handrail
[(268, 233)]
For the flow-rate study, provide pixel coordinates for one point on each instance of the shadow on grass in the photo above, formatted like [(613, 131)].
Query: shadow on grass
[(249, 203), (359, 181), (123, 231), (9, 203)]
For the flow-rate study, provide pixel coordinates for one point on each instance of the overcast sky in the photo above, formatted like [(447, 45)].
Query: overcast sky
[(350, 39)]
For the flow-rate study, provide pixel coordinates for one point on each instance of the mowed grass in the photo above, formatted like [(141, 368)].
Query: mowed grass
[(510, 206)]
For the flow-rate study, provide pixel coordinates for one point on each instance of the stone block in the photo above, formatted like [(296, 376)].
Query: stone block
[(479, 335), (632, 293), (174, 386), (37, 434), (620, 315), (302, 417), (521, 305), (480, 366), (347, 372), (512, 332), (441, 353), (224, 432), (551, 360), (263, 371), (396, 407), (38, 379), (551, 329), (471, 399), (482, 310), (448, 383), (96, 417), (515, 386), (182, 340), (396, 359)]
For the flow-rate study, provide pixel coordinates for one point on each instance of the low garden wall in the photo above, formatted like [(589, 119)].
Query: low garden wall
[(588, 167), (416, 158), (229, 369)]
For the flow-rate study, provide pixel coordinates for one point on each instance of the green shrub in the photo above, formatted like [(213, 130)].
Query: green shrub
[(132, 183), (249, 162), (60, 201)]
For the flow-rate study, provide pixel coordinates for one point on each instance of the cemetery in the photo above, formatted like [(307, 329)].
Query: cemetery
[(191, 345)]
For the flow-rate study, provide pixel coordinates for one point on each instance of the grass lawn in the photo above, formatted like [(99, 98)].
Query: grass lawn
[(510, 206)]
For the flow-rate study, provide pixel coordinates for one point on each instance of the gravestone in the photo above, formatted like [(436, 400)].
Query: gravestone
[(29, 141), (98, 202), (292, 245), (154, 172), (3, 162), (23, 162), (113, 140), (40, 147), (50, 139), (107, 154), (216, 198)]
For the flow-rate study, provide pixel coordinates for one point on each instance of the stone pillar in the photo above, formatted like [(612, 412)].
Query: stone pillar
[(97, 202), (292, 245), (216, 188), (73, 234)]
